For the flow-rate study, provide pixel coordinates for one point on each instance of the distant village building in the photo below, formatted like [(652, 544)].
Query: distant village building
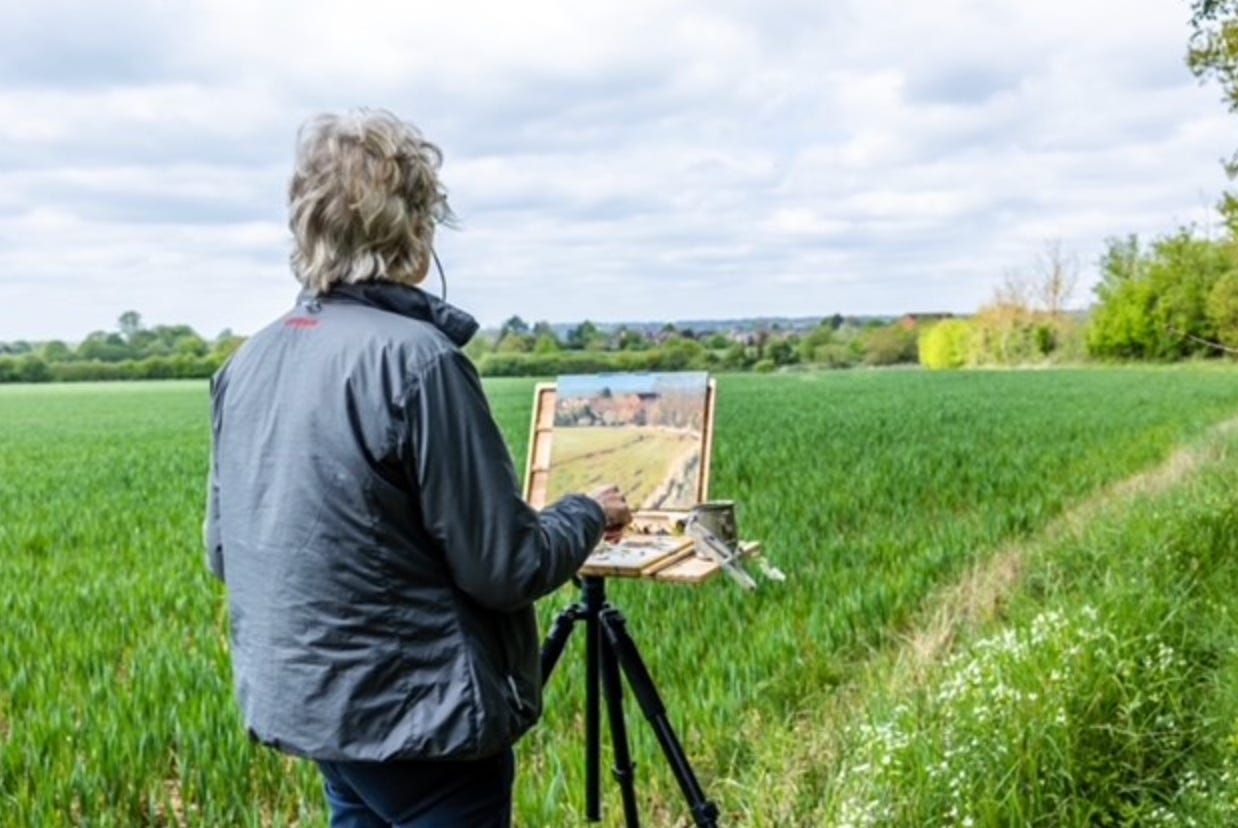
[(911, 320)]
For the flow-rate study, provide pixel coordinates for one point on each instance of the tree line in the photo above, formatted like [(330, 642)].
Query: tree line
[(1175, 298), (516, 349), (130, 352)]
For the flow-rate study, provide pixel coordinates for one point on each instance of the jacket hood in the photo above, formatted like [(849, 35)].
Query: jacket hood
[(405, 300)]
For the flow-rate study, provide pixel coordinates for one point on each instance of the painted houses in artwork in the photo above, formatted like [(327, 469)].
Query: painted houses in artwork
[(607, 409)]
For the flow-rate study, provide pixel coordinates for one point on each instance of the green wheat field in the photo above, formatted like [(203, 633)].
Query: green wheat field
[(1010, 600)]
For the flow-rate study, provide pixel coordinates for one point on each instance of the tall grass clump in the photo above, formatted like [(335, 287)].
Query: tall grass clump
[(1109, 698)]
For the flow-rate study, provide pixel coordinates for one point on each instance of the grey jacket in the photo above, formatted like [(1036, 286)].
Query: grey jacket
[(380, 563)]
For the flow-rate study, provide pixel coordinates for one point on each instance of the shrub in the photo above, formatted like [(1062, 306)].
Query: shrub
[(946, 344)]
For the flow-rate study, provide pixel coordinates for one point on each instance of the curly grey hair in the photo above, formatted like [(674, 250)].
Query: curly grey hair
[(363, 200)]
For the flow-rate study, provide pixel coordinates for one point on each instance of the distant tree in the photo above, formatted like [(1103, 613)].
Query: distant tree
[(225, 345), (130, 323), (543, 328), (679, 354), (144, 343), (782, 351), (737, 358), (104, 347), (478, 347), (191, 345), (586, 337), (1057, 276), (21, 346), (764, 366), (30, 368), (545, 343), (56, 351), (630, 340), (810, 344), (514, 343), (890, 344), (514, 325)]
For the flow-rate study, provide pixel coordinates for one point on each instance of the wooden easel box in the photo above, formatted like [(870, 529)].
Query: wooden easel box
[(683, 567)]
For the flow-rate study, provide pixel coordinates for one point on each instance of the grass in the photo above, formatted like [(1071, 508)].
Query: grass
[(870, 489), (1104, 694)]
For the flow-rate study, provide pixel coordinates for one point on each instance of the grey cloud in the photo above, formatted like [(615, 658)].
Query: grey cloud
[(961, 84), (86, 45)]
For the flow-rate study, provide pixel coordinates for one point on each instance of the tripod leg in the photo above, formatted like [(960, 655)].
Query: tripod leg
[(624, 771), (593, 742), (704, 812), (556, 640)]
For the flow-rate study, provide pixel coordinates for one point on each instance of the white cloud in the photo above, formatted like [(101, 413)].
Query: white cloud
[(638, 159)]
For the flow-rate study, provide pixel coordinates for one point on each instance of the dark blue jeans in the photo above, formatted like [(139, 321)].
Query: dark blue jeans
[(420, 794)]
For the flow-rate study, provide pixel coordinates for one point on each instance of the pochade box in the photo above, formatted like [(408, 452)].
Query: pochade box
[(651, 435)]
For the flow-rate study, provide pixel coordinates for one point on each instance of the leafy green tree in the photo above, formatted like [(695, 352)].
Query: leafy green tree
[(1213, 55), (1223, 309), (1154, 303)]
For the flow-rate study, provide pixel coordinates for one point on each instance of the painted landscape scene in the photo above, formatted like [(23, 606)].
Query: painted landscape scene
[(643, 432)]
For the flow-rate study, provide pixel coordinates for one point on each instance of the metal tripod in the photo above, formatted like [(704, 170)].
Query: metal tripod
[(608, 649)]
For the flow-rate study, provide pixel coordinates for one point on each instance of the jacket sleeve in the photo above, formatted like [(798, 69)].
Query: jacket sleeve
[(210, 527), (500, 552)]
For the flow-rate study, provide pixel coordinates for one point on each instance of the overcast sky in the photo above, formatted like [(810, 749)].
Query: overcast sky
[(609, 160)]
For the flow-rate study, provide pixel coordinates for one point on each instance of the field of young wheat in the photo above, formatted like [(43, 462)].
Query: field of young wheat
[(871, 490)]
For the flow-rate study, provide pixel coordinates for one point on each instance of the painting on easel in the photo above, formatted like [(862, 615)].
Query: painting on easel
[(646, 433)]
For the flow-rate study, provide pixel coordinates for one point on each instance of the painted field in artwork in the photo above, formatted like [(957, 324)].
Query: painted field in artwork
[(651, 464), (1009, 601)]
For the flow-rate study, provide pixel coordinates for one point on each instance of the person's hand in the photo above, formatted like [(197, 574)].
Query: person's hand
[(615, 506)]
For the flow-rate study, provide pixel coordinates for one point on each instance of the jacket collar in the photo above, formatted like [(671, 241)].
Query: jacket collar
[(405, 300)]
